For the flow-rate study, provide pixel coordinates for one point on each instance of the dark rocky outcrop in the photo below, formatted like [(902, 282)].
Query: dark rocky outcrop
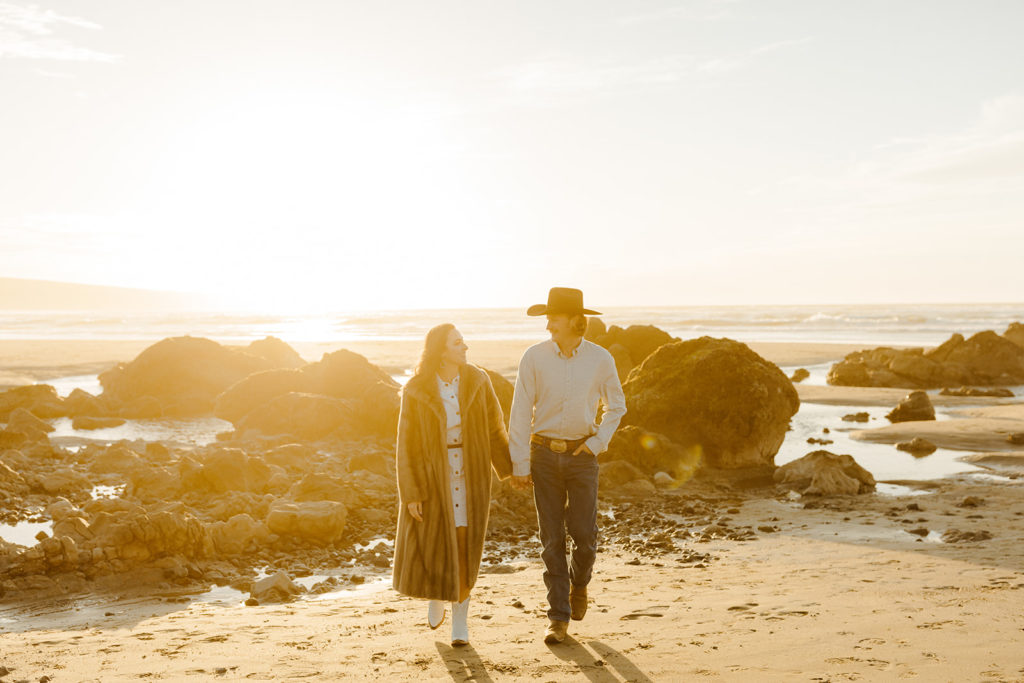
[(914, 407), (985, 359), (183, 375), (715, 395)]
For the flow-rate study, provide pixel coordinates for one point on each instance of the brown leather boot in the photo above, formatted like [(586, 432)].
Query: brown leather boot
[(556, 632), (578, 602)]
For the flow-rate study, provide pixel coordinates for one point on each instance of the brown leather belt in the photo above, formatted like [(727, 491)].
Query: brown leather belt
[(558, 445), (454, 445)]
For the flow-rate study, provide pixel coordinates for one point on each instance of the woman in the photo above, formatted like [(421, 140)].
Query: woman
[(451, 432)]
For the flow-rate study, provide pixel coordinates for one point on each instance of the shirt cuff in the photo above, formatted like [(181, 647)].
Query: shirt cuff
[(595, 445), (521, 469)]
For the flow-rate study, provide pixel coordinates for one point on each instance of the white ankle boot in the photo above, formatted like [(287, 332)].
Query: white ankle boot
[(460, 627), (435, 613)]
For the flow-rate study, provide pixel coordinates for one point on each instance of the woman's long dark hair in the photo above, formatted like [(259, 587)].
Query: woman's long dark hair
[(433, 349)]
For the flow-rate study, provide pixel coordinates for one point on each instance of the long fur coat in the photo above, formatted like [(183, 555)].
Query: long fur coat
[(426, 553)]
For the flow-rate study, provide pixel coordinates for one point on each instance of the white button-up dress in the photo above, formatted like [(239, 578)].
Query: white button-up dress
[(456, 467)]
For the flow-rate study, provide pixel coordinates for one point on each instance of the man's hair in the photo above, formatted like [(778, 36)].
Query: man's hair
[(578, 324), (433, 349)]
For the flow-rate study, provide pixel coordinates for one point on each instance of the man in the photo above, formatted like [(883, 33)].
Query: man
[(554, 439)]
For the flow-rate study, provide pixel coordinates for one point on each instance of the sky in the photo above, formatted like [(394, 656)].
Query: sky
[(317, 155)]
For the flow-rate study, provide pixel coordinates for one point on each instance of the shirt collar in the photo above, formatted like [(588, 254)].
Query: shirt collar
[(572, 354)]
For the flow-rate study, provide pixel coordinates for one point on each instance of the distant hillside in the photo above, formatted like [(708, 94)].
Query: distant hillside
[(27, 295)]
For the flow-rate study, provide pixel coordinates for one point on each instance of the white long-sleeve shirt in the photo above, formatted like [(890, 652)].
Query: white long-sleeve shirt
[(559, 397)]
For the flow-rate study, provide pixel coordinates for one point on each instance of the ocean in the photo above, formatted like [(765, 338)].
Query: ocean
[(871, 325)]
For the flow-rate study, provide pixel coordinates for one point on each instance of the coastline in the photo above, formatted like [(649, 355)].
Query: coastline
[(756, 585), (25, 361)]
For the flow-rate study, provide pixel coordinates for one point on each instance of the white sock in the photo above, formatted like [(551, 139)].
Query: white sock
[(460, 615)]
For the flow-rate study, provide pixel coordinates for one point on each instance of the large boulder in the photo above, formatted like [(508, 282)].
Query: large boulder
[(915, 406), (821, 473), (715, 395), (278, 587), (118, 459), (369, 394), (257, 389), (984, 359), (81, 403), (21, 420), (304, 416), (185, 374), (320, 522)]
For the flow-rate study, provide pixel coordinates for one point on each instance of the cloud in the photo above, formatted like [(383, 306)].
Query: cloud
[(744, 59), (28, 32), (568, 76)]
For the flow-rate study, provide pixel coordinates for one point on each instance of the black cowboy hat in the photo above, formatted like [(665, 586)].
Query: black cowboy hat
[(562, 300)]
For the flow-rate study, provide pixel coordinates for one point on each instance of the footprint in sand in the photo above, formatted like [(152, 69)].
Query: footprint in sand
[(653, 611)]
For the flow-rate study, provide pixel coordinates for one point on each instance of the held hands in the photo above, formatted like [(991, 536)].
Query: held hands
[(521, 483), (416, 510)]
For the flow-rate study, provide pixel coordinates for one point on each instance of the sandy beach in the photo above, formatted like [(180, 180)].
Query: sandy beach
[(921, 581)]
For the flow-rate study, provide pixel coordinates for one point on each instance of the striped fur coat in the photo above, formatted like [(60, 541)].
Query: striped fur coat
[(426, 553)]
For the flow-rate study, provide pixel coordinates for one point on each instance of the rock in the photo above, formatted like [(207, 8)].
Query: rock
[(226, 469), (821, 473), (81, 403), (503, 389), (971, 391), (1015, 334), (154, 483), (83, 422), (304, 416), (117, 459), (971, 502), (595, 329), (638, 489), (239, 534), (624, 363), (916, 406), (664, 480), (255, 390), (917, 446), (984, 359), (652, 452), (369, 396), (185, 374), (65, 481), (613, 475), (277, 352), (39, 399), (921, 531), (715, 394), (320, 522), (276, 588), (11, 483), (293, 456), (639, 340), (21, 420), (799, 375), (252, 602), (856, 417), (1017, 438), (957, 536)]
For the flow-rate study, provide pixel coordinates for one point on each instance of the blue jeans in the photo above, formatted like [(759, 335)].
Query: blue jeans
[(565, 492)]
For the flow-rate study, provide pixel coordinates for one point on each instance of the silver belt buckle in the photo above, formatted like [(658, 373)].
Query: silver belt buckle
[(559, 446)]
